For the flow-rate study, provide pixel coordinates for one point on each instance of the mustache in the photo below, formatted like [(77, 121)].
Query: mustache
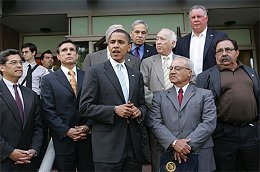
[(225, 59)]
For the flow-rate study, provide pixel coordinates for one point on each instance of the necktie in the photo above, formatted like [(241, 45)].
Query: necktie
[(121, 78), (29, 77), (18, 102), (73, 82), (136, 52), (166, 71), (180, 96), (50, 70)]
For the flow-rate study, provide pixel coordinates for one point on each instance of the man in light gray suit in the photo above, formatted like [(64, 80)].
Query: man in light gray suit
[(182, 119), (102, 55), (153, 74)]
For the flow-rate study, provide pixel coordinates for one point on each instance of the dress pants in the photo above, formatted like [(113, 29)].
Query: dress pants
[(236, 147)]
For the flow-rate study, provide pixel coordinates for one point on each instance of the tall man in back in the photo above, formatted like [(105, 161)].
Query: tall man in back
[(199, 45), (20, 124), (156, 78), (60, 101), (113, 97), (235, 87), (139, 33)]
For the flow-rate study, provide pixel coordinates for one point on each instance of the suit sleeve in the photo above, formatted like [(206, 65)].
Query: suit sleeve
[(146, 73), (208, 122), (87, 63)]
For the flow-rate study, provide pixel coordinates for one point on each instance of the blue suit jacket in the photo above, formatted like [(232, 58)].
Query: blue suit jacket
[(210, 79), (183, 47)]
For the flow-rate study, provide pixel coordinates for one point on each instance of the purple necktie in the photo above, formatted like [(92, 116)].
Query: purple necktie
[(19, 102), (136, 52)]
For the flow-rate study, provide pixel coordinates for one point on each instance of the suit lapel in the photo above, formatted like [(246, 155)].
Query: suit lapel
[(158, 68), (111, 75), (80, 76), (60, 76), (190, 91), (215, 79), (208, 41), (131, 78), (10, 102), (172, 95), (27, 104)]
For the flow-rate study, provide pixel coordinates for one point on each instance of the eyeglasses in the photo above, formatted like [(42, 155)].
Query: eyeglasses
[(227, 50), (14, 63), (178, 68)]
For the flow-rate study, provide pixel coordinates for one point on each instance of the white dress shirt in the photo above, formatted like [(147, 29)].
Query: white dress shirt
[(66, 72)]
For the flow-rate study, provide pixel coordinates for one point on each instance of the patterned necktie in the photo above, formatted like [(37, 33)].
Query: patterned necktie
[(121, 78), (180, 96), (166, 72), (29, 77), (73, 82), (19, 102), (136, 52)]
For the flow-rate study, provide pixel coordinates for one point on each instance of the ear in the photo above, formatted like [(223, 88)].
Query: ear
[(129, 47), (2, 67)]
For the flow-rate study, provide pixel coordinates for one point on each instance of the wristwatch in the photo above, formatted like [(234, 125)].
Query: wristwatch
[(173, 144)]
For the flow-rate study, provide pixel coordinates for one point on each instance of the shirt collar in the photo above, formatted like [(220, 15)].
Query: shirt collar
[(66, 70), (170, 56), (204, 33), (8, 83), (239, 64), (114, 63), (183, 88), (32, 64), (140, 48)]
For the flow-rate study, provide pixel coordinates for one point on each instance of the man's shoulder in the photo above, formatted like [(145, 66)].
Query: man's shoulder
[(151, 58)]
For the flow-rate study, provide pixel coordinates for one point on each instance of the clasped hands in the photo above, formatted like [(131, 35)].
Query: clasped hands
[(182, 149), (78, 132), (128, 110), (22, 156)]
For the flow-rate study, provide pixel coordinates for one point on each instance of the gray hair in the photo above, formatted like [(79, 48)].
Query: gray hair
[(195, 7), (111, 29), (172, 35), (137, 22), (189, 63)]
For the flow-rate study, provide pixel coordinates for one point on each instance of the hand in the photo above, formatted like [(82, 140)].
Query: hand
[(83, 130), (22, 156), (179, 157), (135, 111), (74, 133), (124, 110), (182, 146)]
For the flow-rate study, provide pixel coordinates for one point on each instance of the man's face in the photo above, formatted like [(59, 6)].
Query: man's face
[(198, 21), (180, 74), (164, 45), (28, 55), (12, 69), (68, 54), (139, 34), (118, 46), (47, 61), (226, 56)]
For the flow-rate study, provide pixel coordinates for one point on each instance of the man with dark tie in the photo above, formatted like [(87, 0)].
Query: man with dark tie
[(33, 73), (20, 125), (47, 60), (60, 92), (113, 97), (139, 33), (182, 119)]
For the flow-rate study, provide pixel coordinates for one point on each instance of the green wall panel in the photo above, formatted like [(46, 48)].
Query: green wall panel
[(79, 26), (242, 36)]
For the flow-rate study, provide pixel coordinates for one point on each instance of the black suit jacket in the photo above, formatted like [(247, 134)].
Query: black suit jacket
[(148, 51), (60, 109), (101, 92), (183, 47), (13, 133)]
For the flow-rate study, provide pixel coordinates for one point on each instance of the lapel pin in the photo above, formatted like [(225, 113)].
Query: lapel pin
[(128, 60), (133, 75), (253, 75), (211, 35)]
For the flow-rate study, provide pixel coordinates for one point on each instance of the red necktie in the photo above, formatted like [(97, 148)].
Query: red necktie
[(18, 102), (180, 96)]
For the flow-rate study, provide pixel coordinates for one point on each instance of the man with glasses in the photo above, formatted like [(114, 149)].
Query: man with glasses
[(236, 91), (182, 119), (20, 125)]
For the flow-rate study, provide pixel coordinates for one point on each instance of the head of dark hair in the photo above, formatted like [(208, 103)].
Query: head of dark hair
[(234, 42), (5, 53), (121, 31), (45, 52), (31, 46), (64, 42)]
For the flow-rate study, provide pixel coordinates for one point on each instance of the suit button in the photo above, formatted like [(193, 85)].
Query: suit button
[(179, 116)]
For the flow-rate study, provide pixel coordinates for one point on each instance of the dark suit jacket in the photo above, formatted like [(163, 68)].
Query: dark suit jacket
[(210, 79), (101, 92), (148, 51), (183, 47), (14, 134), (101, 56), (60, 107)]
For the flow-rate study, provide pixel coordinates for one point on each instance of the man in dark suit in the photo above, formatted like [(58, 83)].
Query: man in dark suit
[(139, 33), (236, 91), (102, 55), (113, 97), (199, 45), (186, 131), (60, 101), (21, 132)]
